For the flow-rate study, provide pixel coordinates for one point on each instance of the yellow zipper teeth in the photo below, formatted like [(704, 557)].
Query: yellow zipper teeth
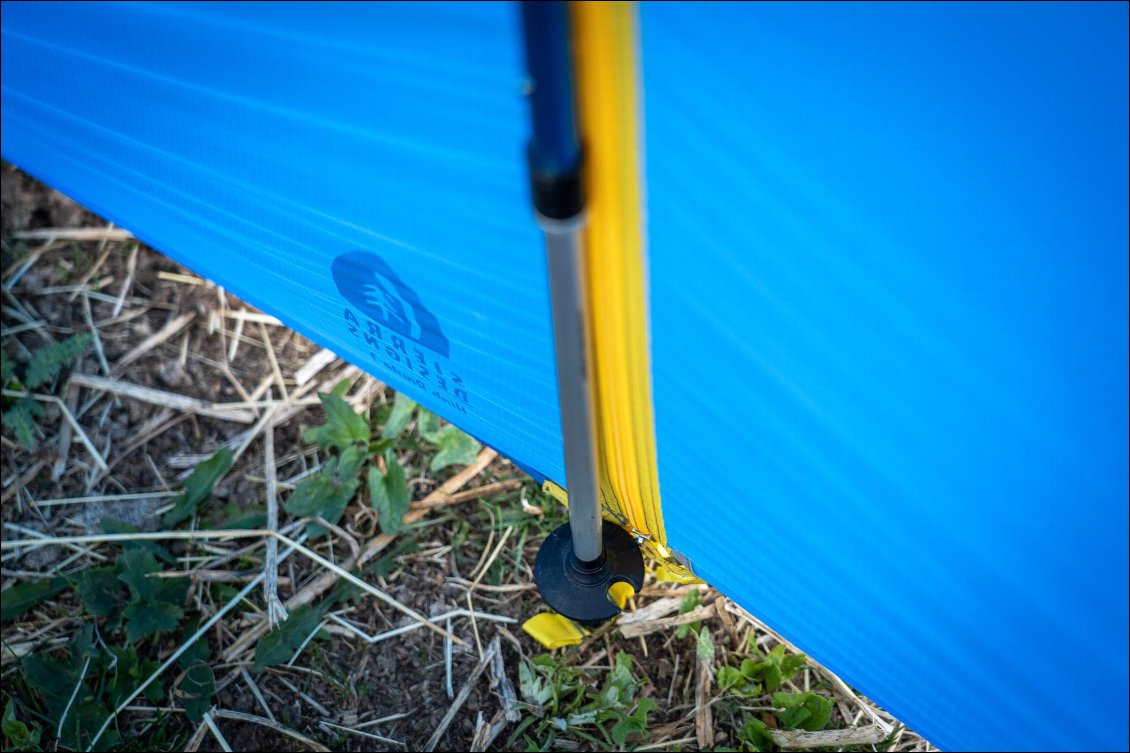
[(606, 60)]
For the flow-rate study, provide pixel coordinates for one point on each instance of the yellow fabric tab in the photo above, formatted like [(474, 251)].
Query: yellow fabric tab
[(607, 86), (554, 631), (620, 593)]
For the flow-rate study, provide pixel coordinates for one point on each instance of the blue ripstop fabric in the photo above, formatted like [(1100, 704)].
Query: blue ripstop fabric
[(888, 252), (358, 171)]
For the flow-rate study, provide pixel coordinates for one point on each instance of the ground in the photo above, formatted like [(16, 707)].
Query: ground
[(158, 334)]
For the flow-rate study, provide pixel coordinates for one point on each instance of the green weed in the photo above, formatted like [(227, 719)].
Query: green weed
[(22, 414), (564, 699), (347, 436)]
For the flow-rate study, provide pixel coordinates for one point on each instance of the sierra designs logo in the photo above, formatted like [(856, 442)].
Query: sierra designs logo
[(372, 287)]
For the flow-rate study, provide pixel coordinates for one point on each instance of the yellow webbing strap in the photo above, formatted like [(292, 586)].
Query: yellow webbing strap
[(606, 64)]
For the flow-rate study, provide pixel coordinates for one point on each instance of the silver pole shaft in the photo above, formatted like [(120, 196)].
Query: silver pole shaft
[(566, 286)]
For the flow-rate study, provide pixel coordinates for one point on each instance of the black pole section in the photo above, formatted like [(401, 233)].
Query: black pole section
[(555, 148), (581, 560)]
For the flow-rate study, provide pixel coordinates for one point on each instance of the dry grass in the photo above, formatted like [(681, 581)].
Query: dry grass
[(424, 653)]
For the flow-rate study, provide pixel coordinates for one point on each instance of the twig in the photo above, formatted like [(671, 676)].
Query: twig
[(373, 590), (653, 611), (73, 234), (464, 694), (251, 316), (216, 732), (96, 336), (294, 689), (377, 638), (46, 539), (104, 498), (379, 738), (479, 577), (667, 744), (276, 612), (131, 267), (270, 724), (447, 661), (197, 738), (703, 716), (506, 692), (24, 479), (277, 414), (482, 492), (110, 538), (250, 682), (236, 338), (182, 278), (486, 732), (316, 363), (273, 361), (636, 629), (829, 738), (66, 433), (158, 337), (162, 398)]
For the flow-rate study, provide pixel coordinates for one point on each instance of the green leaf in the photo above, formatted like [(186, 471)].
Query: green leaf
[(729, 678), (280, 644), (636, 723), (155, 603), (46, 362), (704, 646), (21, 418), (145, 620), (772, 676), (350, 461), (194, 692), (807, 711), (402, 409), (100, 590), (126, 673), (389, 494), (455, 448), (343, 426), (17, 736), (690, 602), (322, 495), (792, 664), (18, 599), (533, 686), (621, 676), (133, 567), (755, 735), (198, 486), (199, 650), (427, 424), (48, 675)]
